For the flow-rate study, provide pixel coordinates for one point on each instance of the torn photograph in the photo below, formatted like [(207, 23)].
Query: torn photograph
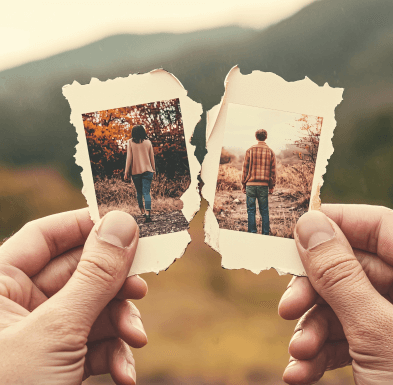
[(268, 146), (139, 162), (266, 170), (135, 153)]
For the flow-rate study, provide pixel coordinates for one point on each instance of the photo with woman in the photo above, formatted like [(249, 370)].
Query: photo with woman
[(139, 163)]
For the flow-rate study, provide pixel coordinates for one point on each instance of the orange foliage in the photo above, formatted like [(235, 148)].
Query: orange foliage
[(107, 133), (310, 140)]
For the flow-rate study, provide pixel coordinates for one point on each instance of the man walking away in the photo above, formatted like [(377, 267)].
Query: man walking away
[(258, 180)]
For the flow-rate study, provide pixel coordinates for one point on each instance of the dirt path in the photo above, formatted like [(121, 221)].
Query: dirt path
[(284, 210), (162, 223)]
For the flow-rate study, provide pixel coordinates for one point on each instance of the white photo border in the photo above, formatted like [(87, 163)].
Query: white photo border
[(265, 90), (155, 253)]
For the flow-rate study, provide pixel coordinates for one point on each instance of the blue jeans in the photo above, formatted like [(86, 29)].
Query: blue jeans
[(142, 184), (261, 193)]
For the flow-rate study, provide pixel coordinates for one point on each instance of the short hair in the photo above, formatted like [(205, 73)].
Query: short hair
[(261, 135), (138, 134)]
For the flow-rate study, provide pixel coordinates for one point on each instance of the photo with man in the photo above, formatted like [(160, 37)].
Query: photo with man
[(266, 170)]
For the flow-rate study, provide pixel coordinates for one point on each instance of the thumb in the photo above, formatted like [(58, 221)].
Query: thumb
[(104, 265), (338, 277)]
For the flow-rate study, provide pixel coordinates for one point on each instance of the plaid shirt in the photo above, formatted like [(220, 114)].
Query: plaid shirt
[(259, 166)]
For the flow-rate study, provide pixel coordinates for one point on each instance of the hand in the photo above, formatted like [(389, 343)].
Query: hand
[(350, 266), (271, 190), (243, 189), (63, 310), (126, 175)]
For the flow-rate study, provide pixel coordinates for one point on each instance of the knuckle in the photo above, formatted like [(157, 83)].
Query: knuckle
[(383, 244), (386, 210), (29, 228), (306, 318), (99, 266), (314, 320), (339, 269)]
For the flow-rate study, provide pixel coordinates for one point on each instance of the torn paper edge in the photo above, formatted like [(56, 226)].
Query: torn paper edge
[(265, 90), (158, 252)]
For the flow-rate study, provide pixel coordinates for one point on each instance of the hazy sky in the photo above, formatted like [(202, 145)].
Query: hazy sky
[(242, 122), (36, 29)]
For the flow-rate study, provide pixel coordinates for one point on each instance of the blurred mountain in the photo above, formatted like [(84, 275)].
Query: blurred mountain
[(35, 114), (346, 43)]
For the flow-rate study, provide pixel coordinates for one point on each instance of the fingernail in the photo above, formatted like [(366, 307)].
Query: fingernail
[(313, 229), (297, 335), (291, 281), (291, 365), (139, 278), (136, 322), (117, 228), (130, 370)]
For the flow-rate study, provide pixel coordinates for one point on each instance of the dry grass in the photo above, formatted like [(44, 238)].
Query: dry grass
[(115, 194), (290, 200), (282, 223), (229, 178), (297, 178)]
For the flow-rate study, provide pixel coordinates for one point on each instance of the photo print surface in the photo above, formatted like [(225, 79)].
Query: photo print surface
[(139, 163), (266, 170), (247, 105)]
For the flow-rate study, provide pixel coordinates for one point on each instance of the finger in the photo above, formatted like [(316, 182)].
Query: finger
[(46, 238), (59, 270), (10, 312), (333, 356), (120, 319), (313, 330), (378, 271), (338, 277), (111, 356), (297, 299), (18, 287), (106, 260), (134, 287), (301, 296), (368, 228)]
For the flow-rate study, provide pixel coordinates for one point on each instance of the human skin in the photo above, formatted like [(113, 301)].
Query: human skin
[(64, 313), (345, 304)]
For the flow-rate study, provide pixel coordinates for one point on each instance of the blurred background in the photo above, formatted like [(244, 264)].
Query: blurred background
[(206, 325)]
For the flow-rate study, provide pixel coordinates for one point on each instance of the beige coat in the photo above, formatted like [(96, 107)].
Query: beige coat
[(140, 157)]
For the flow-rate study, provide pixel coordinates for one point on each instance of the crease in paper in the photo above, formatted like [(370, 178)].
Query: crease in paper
[(154, 253), (269, 91)]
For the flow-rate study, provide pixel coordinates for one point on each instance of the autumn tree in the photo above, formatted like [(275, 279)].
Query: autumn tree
[(310, 127), (226, 156), (107, 133)]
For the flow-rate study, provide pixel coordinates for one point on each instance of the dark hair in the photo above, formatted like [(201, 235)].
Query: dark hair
[(261, 135), (138, 134)]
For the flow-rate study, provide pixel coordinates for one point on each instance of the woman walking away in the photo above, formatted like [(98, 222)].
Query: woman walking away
[(140, 160)]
